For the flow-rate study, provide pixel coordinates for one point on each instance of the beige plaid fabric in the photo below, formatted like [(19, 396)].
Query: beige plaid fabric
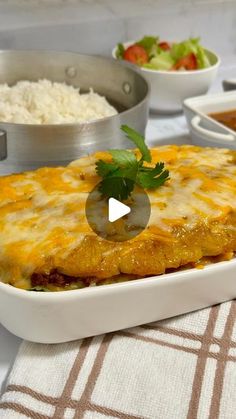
[(183, 367)]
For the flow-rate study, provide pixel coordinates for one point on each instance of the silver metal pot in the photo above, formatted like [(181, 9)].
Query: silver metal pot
[(24, 146)]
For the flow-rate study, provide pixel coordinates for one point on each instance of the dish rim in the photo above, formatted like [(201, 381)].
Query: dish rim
[(109, 288), (192, 105), (173, 72)]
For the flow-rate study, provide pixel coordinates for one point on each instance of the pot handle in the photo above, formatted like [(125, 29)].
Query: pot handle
[(3, 145), (211, 135)]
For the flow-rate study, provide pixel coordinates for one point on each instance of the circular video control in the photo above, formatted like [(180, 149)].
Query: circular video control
[(116, 220)]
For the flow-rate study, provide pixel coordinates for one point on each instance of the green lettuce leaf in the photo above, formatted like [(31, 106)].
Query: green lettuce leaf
[(191, 45), (120, 49), (162, 61), (149, 43), (202, 58)]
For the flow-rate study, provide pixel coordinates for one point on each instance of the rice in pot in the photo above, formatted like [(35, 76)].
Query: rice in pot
[(45, 102)]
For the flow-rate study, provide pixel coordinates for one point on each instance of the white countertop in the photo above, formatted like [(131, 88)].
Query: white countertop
[(160, 130)]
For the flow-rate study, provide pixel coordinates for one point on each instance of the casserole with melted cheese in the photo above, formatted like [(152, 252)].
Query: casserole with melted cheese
[(45, 239)]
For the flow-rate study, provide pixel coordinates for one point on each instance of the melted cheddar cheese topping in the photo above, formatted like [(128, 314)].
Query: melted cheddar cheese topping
[(42, 212)]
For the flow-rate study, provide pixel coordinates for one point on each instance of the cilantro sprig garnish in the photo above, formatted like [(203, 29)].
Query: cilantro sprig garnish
[(120, 176)]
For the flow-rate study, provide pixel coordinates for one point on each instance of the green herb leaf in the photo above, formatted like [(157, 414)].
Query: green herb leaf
[(120, 176), (123, 157), (116, 187), (153, 170), (124, 165), (120, 50), (104, 169), (150, 179), (139, 141)]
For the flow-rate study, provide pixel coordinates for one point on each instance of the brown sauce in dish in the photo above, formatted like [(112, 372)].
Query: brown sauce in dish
[(227, 118)]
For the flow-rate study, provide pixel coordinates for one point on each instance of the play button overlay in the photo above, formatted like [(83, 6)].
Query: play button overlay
[(116, 210), (116, 220)]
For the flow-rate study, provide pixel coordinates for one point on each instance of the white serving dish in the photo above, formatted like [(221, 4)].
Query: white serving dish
[(69, 315), (205, 131), (170, 88)]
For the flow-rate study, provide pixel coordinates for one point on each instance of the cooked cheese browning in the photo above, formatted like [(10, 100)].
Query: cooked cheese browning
[(43, 227)]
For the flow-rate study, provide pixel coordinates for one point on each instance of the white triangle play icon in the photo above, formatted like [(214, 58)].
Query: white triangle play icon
[(116, 210)]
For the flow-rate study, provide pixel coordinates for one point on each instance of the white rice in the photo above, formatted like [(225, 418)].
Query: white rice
[(44, 102)]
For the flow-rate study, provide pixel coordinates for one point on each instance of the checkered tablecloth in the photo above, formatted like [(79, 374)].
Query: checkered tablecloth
[(184, 367)]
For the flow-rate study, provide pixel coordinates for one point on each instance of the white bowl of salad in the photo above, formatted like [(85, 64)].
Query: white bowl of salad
[(174, 70)]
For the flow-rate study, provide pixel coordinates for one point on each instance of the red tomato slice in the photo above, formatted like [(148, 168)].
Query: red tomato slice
[(189, 62), (164, 45), (136, 54)]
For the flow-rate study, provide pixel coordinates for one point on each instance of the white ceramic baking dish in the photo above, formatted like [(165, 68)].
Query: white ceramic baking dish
[(69, 315), (205, 131)]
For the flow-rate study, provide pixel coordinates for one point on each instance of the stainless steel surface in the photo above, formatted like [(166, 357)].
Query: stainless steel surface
[(3, 145), (229, 85), (31, 146)]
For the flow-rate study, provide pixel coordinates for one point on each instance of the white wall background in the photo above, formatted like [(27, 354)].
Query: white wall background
[(94, 26)]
